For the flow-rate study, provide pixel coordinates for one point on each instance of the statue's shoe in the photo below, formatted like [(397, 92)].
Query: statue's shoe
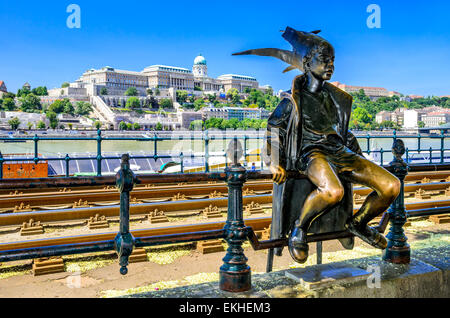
[(367, 234), (298, 248)]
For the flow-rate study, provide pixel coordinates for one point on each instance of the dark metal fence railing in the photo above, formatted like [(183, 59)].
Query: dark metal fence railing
[(206, 139)]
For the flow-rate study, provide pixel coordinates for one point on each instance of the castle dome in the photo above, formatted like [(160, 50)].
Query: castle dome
[(200, 60)]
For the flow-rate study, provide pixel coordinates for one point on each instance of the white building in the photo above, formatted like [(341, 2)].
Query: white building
[(410, 118), (116, 81), (234, 113)]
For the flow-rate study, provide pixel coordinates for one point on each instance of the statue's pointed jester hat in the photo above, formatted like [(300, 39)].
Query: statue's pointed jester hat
[(302, 43)]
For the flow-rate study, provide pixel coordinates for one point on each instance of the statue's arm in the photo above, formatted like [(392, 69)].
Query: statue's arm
[(352, 143), (274, 153)]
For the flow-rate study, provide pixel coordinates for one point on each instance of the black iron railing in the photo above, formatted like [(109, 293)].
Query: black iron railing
[(206, 139)]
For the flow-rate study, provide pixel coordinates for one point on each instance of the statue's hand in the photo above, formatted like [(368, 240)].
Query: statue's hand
[(279, 174)]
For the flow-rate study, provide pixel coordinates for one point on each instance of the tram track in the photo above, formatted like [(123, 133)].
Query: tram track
[(174, 209), (73, 199)]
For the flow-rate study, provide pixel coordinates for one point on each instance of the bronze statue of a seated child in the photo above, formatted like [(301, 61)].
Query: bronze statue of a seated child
[(308, 132)]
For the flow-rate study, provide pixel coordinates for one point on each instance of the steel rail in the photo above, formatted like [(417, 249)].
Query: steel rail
[(35, 202), (170, 208), (59, 198)]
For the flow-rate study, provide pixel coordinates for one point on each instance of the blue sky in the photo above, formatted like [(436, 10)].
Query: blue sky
[(410, 53)]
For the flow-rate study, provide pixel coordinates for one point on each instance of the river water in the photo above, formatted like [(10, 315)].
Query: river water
[(58, 148)]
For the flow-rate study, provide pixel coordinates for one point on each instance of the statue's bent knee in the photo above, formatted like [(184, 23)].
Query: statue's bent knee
[(392, 189), (334, 195)]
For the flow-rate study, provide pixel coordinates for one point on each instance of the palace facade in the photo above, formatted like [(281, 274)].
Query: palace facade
[(117, 81)]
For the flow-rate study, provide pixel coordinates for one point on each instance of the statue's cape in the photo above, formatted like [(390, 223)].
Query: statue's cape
[(288, 197)]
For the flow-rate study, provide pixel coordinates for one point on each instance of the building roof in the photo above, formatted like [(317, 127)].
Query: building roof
[(438, 113), (2, 87), (234, 76), (167, 68), (200, 60)]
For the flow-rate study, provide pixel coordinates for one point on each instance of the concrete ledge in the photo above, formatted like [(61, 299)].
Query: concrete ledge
[(426, 276)]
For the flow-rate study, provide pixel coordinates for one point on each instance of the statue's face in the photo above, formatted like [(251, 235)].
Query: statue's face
[(321, 64)]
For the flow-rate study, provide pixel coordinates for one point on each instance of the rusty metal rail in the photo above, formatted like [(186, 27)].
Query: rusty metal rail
[(41, 201)]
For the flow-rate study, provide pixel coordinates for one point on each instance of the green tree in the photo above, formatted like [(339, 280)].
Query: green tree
[(9, 104), (40, 125), (149, 92), (182, 96), (30, 125), (157, 91), (165, 103), (70, 126), (68, 107), (136, 126), (83, 108), (30, 103), (129, 126), (103, 91), (62, 106), (98, 125), (14, 123), (40, 91), (122, 125), (132, 91), (65, 84), (159, 126), (360, 119), (421, 124), (233, 96), (22, 92), (52, 117), (195, 124), (199, 104), (133, 103)]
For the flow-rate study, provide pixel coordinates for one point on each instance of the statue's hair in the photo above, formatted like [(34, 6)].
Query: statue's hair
[(304, 44)]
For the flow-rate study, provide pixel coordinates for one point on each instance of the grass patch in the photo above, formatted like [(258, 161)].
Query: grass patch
[(7, 271), (168, 254), (75, 263)]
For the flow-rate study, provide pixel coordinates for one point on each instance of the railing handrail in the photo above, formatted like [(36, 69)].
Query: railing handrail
[(56, 182)]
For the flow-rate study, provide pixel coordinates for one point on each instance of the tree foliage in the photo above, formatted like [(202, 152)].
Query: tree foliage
[(53, 119), (40, 125), (371, 107), (14, 123), (165, 103), (132, 91), (62, 106), (182, 96), (40, 91), (133, 103), (30, 103), (82, 108), (8, 104), (122, 125)]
